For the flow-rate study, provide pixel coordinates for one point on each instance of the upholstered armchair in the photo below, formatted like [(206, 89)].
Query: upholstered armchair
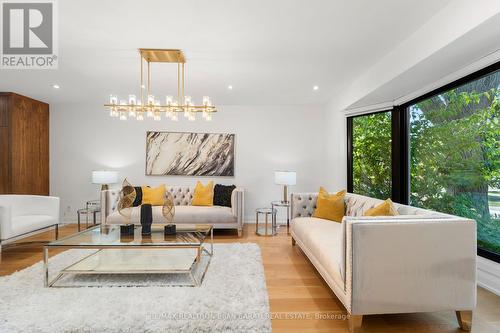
[(21, 215)]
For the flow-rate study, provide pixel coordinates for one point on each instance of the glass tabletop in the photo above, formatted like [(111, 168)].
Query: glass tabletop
[(109, 236), (89, 210), (280, 203), (266, 210)]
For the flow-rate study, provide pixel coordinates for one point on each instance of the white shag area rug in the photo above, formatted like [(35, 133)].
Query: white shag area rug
[(232, 298)]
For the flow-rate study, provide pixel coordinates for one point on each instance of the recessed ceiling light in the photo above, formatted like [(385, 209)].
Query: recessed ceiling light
[(315, 88), (56, 86), (230, 87)]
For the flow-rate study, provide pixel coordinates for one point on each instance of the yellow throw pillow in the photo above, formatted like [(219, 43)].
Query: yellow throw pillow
[(203, 195), (153, 196), (330, 206), (386, 208)]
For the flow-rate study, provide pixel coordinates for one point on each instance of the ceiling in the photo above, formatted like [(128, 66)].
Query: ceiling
[(271, 52), (478, 46)]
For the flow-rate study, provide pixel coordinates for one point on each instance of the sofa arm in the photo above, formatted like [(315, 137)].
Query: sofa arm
[(15, 205), (5, 222), (410, 266), (238, 205), (52, 206), (109, 203)]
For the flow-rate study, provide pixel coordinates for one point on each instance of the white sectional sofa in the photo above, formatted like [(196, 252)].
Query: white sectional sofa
[(21, 215), (418, 261), (218, 216)]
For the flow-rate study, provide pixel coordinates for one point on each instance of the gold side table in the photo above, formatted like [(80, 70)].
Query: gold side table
[(269, 229)]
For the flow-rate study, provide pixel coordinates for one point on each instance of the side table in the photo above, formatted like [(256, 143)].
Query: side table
[(91, 207), (266, 230), (279, 203)]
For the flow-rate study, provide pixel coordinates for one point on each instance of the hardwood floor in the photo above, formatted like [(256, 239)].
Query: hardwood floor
[(300, 301)]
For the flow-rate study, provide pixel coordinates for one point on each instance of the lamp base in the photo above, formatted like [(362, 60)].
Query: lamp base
[(285, 194), (104, 187)]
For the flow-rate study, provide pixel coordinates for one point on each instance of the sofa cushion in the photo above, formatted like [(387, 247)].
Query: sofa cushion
[(330, 206), (203, 194), (203, 214), (183, 214), (223, 194), (153, 196), (321, 238), (386, 208)]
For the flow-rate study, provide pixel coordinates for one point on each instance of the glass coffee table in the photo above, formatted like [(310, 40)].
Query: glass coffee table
[(182, 253)]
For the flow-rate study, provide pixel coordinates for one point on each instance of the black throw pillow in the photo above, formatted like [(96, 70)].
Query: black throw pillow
[(138, 196), (222, 195)]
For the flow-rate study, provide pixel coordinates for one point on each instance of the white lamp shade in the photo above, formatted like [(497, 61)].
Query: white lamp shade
[(285, 177), (104, 177)]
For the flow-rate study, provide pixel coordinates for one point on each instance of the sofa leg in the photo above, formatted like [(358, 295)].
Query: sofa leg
[(293, 242), (355, 322), (240, 232), (464, 319), (56, 230)]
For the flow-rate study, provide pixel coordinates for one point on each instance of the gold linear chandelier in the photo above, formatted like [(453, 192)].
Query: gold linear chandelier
[(154, 108)]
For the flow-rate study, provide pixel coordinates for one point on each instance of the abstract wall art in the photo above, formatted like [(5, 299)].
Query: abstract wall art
[(189, 154)]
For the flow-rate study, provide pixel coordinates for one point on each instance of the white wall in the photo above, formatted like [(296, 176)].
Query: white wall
[(335, 150), (85, 138)]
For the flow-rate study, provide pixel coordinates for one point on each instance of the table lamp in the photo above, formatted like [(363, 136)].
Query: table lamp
[(285, 178), (104, 178)]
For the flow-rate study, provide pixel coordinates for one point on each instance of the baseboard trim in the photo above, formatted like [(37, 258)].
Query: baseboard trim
[(488, 275)]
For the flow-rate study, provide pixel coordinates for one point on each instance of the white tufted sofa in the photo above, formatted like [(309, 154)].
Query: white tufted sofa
[(418, 261), (218, 216)]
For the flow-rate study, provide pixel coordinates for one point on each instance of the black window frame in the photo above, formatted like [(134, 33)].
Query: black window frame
[(350, 146), (400, 148)]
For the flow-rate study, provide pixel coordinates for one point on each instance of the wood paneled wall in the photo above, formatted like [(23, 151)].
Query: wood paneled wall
[(24, 145)]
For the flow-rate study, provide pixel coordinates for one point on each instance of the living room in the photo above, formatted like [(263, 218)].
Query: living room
[(237, 166)]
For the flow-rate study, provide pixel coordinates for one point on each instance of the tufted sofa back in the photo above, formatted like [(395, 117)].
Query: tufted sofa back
[(183, 196), (304, 204)]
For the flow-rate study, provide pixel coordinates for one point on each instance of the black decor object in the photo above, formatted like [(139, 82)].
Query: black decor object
[(146, 239), (126, 239), (146, 218), (222, 195), (170, 229), (127, 230), (138, 196)]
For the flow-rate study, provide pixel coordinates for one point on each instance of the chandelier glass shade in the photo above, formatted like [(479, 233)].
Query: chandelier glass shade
[(147, 105)]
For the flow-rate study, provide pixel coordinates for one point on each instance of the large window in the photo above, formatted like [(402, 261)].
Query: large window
[(371, 155), (455, 155), (440, 151)]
